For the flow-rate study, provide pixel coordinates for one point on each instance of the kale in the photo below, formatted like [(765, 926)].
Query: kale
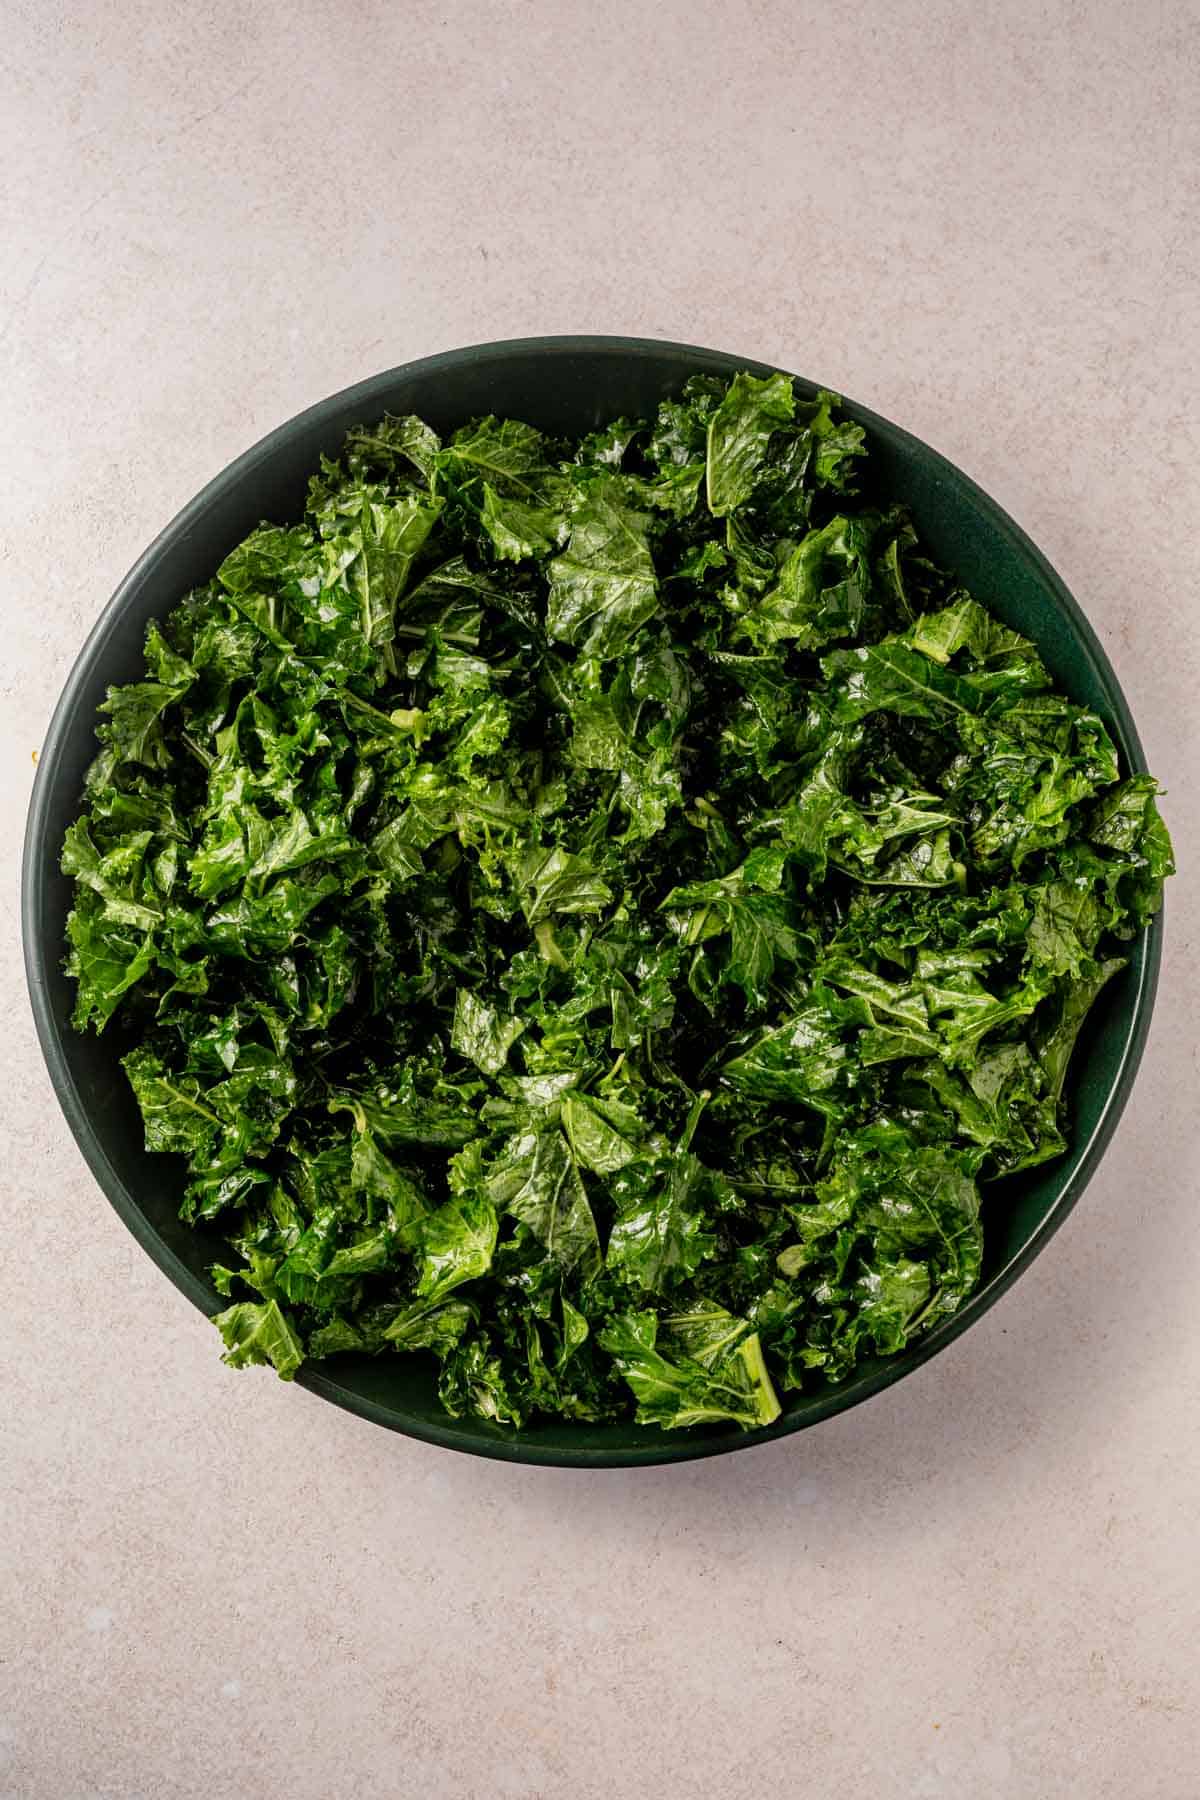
[(595, 914)]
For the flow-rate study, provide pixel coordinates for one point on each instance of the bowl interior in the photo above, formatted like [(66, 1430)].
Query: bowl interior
[(565, 386)]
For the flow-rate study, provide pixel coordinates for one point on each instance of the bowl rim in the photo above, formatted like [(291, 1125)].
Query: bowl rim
[(39, 952)]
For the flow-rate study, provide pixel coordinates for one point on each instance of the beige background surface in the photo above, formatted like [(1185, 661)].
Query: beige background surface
[(982, 219)]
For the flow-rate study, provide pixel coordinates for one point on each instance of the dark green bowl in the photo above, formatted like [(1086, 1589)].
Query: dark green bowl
[(566, 386)]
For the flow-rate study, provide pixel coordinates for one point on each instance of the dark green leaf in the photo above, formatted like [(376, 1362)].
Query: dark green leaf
[(739, 432), (724, 1378), (483, 1034), (603, 587), (259, 1333), (537, 1179)]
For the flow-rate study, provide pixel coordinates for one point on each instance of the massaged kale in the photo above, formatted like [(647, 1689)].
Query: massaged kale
[(596, 913)]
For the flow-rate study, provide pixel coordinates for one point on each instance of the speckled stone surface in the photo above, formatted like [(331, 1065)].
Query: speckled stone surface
[(984, 221)]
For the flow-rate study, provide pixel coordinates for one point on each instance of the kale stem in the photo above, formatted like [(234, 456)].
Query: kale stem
[(366, 707)]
